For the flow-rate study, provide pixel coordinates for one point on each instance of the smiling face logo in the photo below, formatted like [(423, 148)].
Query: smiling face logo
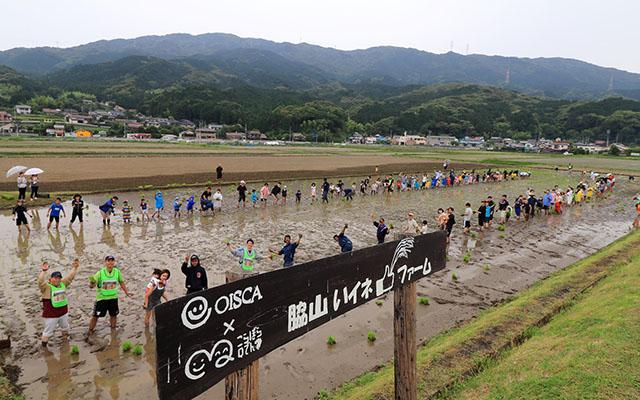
[(196, 364), (223, 352), (196, 312)]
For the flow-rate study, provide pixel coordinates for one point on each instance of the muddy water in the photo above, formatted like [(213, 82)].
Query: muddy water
[(530, 251)]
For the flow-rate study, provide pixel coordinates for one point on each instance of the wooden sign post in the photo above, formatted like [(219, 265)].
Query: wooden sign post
[(242, 384), (215, 334)]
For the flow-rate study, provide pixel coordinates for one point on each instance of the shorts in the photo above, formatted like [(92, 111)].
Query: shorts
[(503, 214), (101, 307), (50, 325), (158, 209), (145, 212), (242, 197), (105, 214), (449, 229), (545, 207), (21, 221), (54, 217), (263, 199), (517, 212), (152, 304), (467, 224)]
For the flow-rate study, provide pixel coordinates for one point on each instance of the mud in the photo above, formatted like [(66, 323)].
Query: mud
[(531, 251)]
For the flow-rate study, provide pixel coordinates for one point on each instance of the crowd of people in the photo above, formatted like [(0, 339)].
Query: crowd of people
[(109, 278)]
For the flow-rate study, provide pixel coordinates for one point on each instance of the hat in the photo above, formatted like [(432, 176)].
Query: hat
[(56, 274), (243, 182), (177, 197), (159, 192), (411, 214), (109, 258), (126, 201)]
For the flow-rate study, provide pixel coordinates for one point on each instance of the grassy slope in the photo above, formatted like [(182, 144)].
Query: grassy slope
[(446, 361), (590, 351)]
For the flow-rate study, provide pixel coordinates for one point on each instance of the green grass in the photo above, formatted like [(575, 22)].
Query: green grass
[(424, 301), (126, 346), (137, 349), (371, 336), (331, 340), (589, 351), (446, 361)]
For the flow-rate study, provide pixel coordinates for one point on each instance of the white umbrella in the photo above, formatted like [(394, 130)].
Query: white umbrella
[(15, 170), (33, 171)]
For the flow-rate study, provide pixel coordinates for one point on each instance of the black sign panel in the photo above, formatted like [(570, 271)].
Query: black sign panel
[(203, 337)]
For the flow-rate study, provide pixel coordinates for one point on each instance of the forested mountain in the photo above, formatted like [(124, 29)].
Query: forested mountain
[(264, 63)]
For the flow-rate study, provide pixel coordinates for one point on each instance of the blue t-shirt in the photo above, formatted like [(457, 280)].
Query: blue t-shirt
[(55, 210), (345, 243), (190, 204), (159, 201), (107, 207), (288, 251), (487, 213), (254, 197), (546, 201)]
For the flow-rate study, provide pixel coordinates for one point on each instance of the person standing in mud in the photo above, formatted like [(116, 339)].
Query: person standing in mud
[(20, 213), (288, 251), (54, 301), (77, 205), (247, 256), (107, 280), (219, 174), (107, 209), (325, 191), (196, 275), (382, 229)]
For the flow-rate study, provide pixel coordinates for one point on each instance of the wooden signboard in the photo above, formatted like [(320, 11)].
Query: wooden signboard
[(203, 337)]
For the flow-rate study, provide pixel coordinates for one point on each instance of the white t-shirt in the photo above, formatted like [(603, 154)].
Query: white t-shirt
[(412, 225), (217, 199), (468, 212)]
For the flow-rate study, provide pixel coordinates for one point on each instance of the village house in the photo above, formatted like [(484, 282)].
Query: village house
[(7, 128), (20, 109), (82, 133), (298, 137), (256, 135), (409, 140), (206, 134), (235, 135), (477, 141), (51, 111), (5, 116), (77, 119), (356, 138), (589, 148), (440, 140), (58, 130), (215, 127)]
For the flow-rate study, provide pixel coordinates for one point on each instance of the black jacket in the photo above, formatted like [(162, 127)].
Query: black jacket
[(196, 277)]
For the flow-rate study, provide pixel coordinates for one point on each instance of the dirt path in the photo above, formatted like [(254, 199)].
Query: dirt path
[(531, 251)]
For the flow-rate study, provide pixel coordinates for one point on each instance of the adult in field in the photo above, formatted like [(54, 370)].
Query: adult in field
[(107, 209), (34, 187), (247, 256), (325, 191), (154, 296), (107, 281), (275, 192), (22, 186), (382, 229), (412, 225), (54, 301), (343, 241), (288, 251), (205, 202), (219, 174), (196, 275)]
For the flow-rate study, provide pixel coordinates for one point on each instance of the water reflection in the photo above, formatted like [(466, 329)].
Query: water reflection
[(78, 240), (59, 372), (108, 238), (109, 373), (22, 248), (55, 242)]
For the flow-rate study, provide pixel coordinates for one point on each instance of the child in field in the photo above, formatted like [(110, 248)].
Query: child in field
[(254, 198), (518, 207), (313, 192), (159, 205), (217, 201), (558, 205), (20, 215), (154, 296), (144, 209), (466, 217), (155, 277), (441, 218), (177, 205), (54, 213), (190, 203), (284, 194), (450, 221), (126, 212), (423, 228), (298, 196)]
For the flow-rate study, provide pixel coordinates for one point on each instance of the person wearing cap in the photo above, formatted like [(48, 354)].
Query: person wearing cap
[(343, 241), (196, 275), (241, 191), (247, 256), (412, 225), (159, 204), (54, 301), (20, 215), (107, 209), (288, 251), (106, 280), (77, 206)]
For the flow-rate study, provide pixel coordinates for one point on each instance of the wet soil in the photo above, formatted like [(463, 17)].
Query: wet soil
[(529, 252)]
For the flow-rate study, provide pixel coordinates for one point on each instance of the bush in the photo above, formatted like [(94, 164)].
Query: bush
[(371, 336), (331, 340), (614, 150)]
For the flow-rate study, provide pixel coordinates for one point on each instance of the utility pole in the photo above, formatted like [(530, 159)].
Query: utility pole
[(608, 132)]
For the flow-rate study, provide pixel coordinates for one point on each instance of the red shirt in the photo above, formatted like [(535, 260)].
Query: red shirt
[(49, 311)]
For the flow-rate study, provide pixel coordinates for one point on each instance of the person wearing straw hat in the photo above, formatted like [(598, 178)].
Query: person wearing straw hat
[(54, 301)]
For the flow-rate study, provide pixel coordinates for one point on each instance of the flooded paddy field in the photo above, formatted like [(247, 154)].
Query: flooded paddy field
[(529, 251)]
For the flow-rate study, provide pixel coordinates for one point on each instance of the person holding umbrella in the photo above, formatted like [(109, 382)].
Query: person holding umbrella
[(34, 172), (22, 186)]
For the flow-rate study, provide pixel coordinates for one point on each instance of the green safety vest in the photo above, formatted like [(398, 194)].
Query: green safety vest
[(109, 286), (58, 296), (248, 259)]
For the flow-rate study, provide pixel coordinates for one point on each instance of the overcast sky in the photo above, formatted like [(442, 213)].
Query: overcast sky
[(600, 32)]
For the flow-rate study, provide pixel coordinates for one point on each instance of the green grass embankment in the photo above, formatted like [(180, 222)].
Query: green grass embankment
[(548, 339)]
